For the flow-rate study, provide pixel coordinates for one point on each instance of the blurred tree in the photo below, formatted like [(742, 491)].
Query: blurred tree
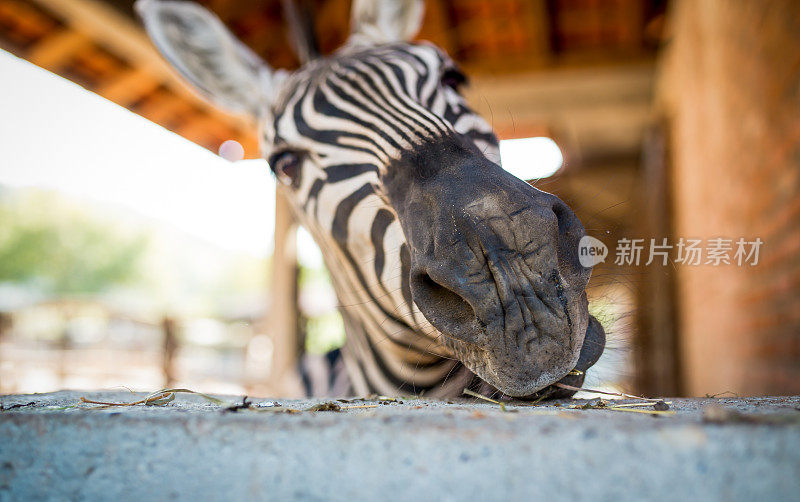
[(62, 248), (59, 245)]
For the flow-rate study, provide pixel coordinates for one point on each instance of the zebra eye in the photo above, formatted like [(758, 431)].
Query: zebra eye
[(453, 78), (286, 166)]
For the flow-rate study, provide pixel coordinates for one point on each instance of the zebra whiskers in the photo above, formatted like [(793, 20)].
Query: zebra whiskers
[(399, 183)]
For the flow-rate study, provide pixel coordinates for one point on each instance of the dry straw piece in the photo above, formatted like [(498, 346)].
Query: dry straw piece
[(159, 398), (660, 406)]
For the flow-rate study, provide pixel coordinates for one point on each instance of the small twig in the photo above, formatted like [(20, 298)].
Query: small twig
[(160, 398), (104, 403), (359, 406), (626, 405), (620, 394), (275, 409), (630, 410), (722, 394), (481, 396), (540, 398), (188, 391)]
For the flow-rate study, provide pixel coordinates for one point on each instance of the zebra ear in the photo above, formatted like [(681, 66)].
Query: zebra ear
[(385, 21), (196, 43)]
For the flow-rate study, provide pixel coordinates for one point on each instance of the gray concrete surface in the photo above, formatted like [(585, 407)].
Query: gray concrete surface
[(415, 450)]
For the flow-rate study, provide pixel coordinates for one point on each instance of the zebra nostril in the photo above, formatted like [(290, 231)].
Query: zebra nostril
[(570, 232), (593, 344), (448, 311), (564, 215)]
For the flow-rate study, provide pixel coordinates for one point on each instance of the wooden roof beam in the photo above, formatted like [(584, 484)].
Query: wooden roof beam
[(129, 87), (56, 49), (124, 38)]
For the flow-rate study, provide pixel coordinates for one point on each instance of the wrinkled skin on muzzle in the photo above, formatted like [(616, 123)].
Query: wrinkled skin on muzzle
[(495, 269), (494, 262)]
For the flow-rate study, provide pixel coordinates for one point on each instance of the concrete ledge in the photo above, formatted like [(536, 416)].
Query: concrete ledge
[(417, 450)]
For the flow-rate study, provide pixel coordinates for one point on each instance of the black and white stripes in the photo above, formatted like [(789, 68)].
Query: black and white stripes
[(347, 119), (400, 184)]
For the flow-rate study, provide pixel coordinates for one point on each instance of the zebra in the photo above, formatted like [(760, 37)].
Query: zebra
[(450, 272)]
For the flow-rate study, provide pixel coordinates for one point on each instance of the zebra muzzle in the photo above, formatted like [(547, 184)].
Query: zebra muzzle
[(494, 267)]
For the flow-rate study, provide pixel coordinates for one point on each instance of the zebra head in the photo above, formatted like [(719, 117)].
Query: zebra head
[(441, 259)]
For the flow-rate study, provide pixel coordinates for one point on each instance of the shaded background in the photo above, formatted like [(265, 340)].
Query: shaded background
[(676, 120)]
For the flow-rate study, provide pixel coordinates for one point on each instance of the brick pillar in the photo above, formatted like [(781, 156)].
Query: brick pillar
[(730, 87)]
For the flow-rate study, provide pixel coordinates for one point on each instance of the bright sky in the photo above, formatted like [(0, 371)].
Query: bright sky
[(531, 158), (55, 134)]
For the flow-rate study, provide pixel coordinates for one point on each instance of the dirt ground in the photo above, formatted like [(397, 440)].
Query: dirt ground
[(53, 446)]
